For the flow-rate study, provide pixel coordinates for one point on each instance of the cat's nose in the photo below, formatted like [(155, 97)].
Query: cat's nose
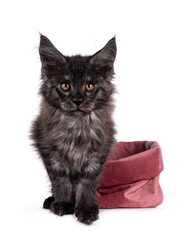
[(77, 102)]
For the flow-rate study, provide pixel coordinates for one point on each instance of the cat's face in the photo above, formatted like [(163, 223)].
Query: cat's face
[(77, 84)]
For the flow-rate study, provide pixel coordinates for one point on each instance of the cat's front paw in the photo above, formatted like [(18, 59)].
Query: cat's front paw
[(47, 202), (62, 208), (87, 214)]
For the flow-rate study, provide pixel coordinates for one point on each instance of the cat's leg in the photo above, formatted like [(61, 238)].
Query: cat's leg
[(86, 209), (61, 202), (48, 202), (62, 191)]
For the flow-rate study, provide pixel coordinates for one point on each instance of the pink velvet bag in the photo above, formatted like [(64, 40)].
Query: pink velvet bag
[(130, 177)]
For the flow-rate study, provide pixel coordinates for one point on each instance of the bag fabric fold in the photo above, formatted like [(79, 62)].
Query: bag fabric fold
[(130, 177)]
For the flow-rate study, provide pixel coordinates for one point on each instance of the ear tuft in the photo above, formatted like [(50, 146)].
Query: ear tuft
[(47, 49), (51, 58), (105, 56)]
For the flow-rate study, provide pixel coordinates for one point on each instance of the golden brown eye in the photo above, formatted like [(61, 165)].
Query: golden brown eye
[(65, 86), (89, 87)]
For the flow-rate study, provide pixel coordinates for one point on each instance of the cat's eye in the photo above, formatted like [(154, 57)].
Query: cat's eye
[(65, 86), (90, 87)]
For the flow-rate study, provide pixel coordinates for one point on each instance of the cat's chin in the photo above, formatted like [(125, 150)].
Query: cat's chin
[(79, 112), (76, 112)]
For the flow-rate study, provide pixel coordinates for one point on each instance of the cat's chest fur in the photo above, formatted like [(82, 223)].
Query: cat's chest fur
[(78, 140)]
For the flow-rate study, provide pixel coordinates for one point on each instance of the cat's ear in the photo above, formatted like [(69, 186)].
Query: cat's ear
[(51, 58), (105, 56)]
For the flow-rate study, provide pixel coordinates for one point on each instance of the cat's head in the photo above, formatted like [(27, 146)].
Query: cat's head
[(77, 84)]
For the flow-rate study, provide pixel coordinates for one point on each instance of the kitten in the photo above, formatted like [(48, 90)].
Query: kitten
[(74, 131)]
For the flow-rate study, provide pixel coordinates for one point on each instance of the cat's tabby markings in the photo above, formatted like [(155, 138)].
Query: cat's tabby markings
[(74, 131)]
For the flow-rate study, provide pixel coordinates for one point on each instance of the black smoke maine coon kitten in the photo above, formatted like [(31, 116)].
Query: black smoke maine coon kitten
[(74, 131)]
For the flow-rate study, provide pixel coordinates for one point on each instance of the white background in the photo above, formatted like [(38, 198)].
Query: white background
[(147, 108)]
